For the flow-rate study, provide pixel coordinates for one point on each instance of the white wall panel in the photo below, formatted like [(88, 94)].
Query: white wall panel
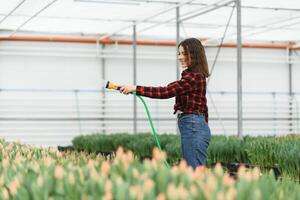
[(33, 117)]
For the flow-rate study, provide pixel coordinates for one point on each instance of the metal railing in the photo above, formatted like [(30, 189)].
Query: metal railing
[(55, 117)]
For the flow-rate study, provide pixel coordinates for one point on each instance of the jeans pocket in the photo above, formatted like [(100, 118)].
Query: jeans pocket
[(186, 126)]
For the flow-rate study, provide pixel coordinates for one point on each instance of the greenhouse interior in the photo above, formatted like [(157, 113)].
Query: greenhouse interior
[(149, 99)]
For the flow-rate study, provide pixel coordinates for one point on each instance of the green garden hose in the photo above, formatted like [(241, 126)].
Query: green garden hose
[(110, 85), (152, 126)]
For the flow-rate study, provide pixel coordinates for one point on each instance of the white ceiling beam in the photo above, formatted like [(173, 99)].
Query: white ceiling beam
[(146, 19), (13, 10), (33, 16), (203, 9)]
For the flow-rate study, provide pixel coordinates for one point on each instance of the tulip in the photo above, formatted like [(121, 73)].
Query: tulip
[(5, 193), (71, 179), (14, 186), (161, 196), (40, 181), (59, 172)]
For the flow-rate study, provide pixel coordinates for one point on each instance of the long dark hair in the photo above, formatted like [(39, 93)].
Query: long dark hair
[(195, 51)]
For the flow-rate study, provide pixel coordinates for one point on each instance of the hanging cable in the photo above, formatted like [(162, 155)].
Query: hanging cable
[(213, 67), (220, 45)]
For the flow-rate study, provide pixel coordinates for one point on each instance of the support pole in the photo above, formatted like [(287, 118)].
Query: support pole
[(176, 51), (290, 92), (239, 70), (177, 42), (103, 91), (290, 73), (134, 80)]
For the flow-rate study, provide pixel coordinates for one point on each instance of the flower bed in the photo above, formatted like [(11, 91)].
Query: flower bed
[(36, 173), (279, 153)]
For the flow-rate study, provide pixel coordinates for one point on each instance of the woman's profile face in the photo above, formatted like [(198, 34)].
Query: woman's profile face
[(183, 57)]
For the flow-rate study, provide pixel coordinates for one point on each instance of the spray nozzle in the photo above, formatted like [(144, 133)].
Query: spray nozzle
[(112, 86)]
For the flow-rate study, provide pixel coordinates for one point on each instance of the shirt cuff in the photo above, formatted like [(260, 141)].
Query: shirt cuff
[(139, 90)]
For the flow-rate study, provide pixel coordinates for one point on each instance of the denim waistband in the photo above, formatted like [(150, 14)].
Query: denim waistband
[(179, 115)]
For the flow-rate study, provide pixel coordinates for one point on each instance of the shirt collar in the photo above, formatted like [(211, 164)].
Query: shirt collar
[(188, 70)]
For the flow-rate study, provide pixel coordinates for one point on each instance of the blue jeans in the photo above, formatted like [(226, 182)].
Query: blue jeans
[(195, 136)]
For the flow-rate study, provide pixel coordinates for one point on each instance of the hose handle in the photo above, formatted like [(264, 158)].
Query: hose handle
[(112, 86)]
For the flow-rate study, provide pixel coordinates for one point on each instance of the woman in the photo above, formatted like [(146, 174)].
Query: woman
[(190, 103)]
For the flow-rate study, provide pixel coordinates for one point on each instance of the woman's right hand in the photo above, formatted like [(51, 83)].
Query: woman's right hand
[(126, 89)]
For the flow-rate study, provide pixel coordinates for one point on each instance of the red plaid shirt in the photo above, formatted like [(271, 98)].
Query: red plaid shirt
[(190, 93)]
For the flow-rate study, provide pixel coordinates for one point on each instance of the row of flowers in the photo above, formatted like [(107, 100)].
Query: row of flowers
[(270, 152), (35, 173)]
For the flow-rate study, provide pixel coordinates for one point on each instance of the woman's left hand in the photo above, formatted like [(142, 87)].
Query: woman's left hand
[(126, 89)]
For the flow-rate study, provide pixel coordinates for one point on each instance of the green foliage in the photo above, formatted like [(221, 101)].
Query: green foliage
[(266, 152), (36, 173)]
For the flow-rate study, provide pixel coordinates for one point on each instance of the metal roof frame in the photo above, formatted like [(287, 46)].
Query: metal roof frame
[(179, 19)]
